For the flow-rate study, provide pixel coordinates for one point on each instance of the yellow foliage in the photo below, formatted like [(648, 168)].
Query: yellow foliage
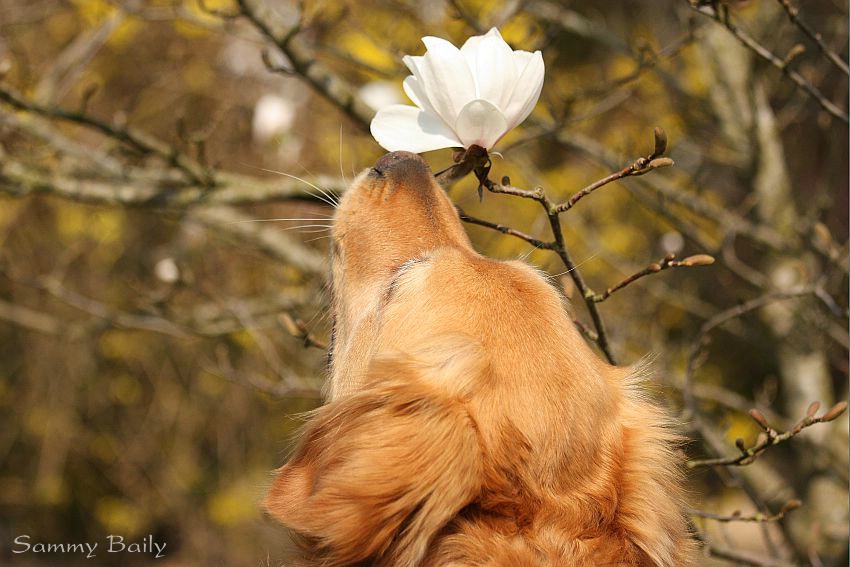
[(324, 9), (71, 221), (103, 226), (60, 27), (694, 77), (711, 374), (740, 427), (5, 390), (620, 66), (620, 237), (106, 225), (38, 420), (125, 33), (244, 338), (125, 389), (94, 11), (203, 17), (521, 31), (184, 469), (233, 504), (119, 516), (360, 46), (104, 447), (211, 385), (197, 75), (51, 489), (9, 210), (119, 345), (189, 29), (671, 316)]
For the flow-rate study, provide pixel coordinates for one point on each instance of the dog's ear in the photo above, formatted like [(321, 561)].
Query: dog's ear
[(379, 473)]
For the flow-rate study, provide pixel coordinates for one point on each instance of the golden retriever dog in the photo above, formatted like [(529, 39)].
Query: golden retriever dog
[(467, 421)]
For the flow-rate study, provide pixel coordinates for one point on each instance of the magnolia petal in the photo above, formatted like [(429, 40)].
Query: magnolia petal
[(527, 91), (521, 60), (412, 62), (413, 85), (494, 72), (414, 91), (446, 78), (480, 123), (403, 127), (415, 63), (470, 48)]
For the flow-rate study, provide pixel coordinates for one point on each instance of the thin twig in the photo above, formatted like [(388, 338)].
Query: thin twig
[(794, 16), (639, 167), (698, 344), (505, 230), (139, 141), (671, 193), (464, 15), (560, 248), (304, 64), (744, 558), (157, 189), (669, 261), (769, 437), (721, 16), (758, 517), (553, 211)]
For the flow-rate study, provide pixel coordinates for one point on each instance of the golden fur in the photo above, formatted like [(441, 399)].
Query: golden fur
[(467, 421)]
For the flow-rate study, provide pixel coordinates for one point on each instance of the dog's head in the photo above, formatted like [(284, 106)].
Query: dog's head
[(393, 215)]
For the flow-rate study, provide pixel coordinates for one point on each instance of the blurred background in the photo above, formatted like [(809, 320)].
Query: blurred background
[(156, 348)]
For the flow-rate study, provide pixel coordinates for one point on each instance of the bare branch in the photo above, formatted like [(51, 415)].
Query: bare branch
[(139, 141), (230, 222), (769, 437), (641, 166), (505, 230), (720, 14), (38, 321), (205, 320), (559, 247), (287, 386), (158, 189), (758, 517), (744, 558), (794, 16), (721, 318), (304, 64), (760, 233), (665, 263)]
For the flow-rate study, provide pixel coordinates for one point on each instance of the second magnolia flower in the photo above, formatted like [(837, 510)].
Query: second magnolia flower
[(468, 96)]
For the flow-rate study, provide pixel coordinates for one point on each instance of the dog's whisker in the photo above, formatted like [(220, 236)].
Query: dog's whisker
[(588, 259), (282, 219), (331, 198), (309, 230), (317, 238), (531, 251), (341, 172)]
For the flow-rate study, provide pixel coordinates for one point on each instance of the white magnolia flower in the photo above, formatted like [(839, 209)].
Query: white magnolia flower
[(468, 96)]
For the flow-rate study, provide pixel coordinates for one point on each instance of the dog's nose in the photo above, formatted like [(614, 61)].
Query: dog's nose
[(401, 166)]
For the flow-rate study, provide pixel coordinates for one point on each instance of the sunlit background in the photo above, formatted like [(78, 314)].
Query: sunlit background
[(151, 357)]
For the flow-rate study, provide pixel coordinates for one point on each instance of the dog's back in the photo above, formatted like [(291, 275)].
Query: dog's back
[(468, 422)]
